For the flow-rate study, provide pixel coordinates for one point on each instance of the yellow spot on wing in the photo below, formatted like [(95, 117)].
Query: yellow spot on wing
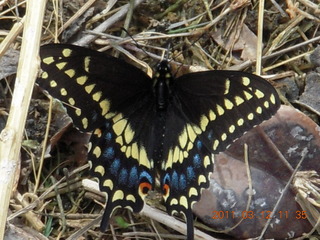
[(223, 137), (250, 116), (53, 83), (70, 72), (232, 128), (201, 179), (220, 110), (128, 134), (63, 92), (119, 140), (173, 202), (119, 126), (204, 122), (117, 117), (176, 154), (207, 161), (193, 192), (247, 95), (105, 106), (226, 87), (99, 169), (135, 151), (48, 60), (191, 134), (71, 101), (86, 63), (228, 104), (128, 152), (118, 195), (143, 159), (212, 115), (85, 123), (184, 202), (78, 112), (96, 96), (61, 65), (44, 75), (183, 138), (245, 81), (82, 80), (131, 198), (108, 183), (266, 104), (89, 88), (215, 145), (240, 122), (259, 110), (66, 52), (273, 99), (238, 100), (259, 94), (97, 152)]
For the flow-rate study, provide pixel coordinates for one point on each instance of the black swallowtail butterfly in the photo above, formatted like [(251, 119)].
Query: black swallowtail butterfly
[(143, 127)]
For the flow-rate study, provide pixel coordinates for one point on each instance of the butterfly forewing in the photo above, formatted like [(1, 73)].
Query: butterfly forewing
[(95, 86), (229, 104)]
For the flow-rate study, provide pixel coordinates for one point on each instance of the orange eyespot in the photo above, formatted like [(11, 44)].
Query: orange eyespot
[(166, 190), (97, 132), (145, 187)]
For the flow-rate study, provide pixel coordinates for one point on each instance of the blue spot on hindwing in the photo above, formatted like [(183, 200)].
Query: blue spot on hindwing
[(123, 176), (133, 177), (190, 173), (175, 181), (108, 136), (199, 145), (166, 179), (196, 161), (114, 167), (210, 135), (94, 116), (182, 182), (109, 153), (145, 174), (107, 125)]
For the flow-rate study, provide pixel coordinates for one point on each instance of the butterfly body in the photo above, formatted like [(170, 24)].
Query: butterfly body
[(143, 127)]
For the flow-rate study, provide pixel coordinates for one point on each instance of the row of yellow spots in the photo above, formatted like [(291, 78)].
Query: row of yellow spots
[(183, 201), (186, 143), (238, 101), (125, 135), (81, 80), (119, 196)]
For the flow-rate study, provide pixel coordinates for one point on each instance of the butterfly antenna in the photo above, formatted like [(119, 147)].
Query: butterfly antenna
[(137, 44)]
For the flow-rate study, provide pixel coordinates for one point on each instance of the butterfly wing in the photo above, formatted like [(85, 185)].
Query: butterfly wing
[(114, 100), (120, 159), (222, 105), (210, 110), (95, 85)]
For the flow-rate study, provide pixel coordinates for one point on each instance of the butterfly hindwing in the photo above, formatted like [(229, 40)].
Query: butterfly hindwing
[(121, 176), (185, 167)]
